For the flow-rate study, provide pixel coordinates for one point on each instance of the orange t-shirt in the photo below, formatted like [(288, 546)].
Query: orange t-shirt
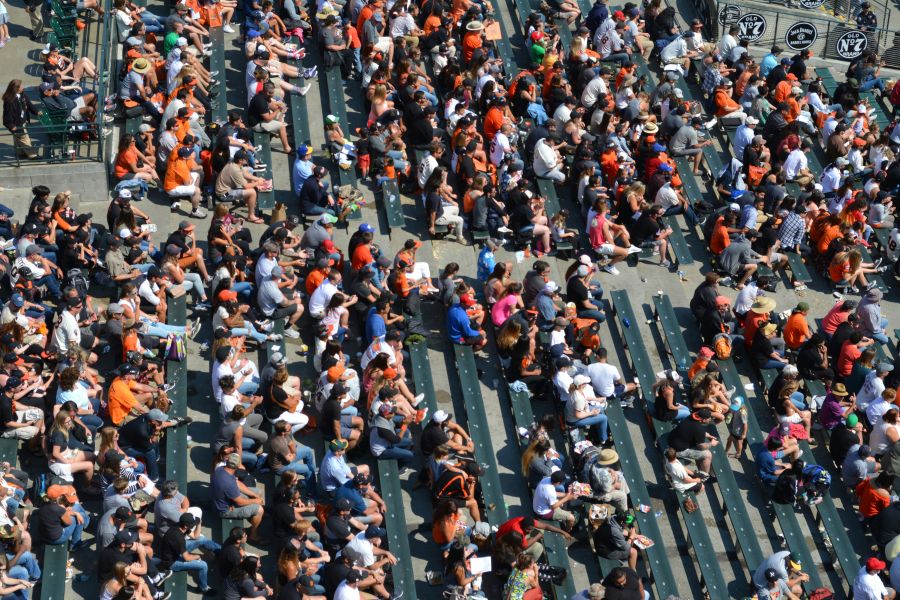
[(471, 43), (492, 122), (177, 173), (724, 103), (314, 279), (364, 15), (719, 240), (121, 399), (828, 236), (362, 256), (839, 271), (796, 331), (870, 503), (752, 322), (353, 37), (124, 160), (782, 90)]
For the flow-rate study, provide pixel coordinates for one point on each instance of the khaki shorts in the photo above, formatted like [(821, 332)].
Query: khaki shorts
[(273, 126)]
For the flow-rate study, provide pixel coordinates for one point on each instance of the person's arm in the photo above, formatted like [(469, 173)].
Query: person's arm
[(546, 527)]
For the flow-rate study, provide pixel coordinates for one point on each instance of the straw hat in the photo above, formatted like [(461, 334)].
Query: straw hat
[(763, 305), (474, 26), (608, 456), (140, 66)]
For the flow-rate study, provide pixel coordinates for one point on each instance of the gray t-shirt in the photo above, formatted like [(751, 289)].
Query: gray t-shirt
[(167, 512), (225, 434), (270, 296), (130, 85), (777, 562), (684, 138), (106, 529), (854, 469)]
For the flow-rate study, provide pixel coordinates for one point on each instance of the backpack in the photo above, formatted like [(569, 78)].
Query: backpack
[(175, 350), (76, 279), (722, 346), (817, 481)]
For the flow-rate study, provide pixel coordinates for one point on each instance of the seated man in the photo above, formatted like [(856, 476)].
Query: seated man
[(237, 183), (234, 500), (692, 441), (548, 502), (181, 182)]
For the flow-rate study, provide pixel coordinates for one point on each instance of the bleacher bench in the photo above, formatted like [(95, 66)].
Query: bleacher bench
[(393, 209), (397, 534), (338, 107), (480, 432), (263, 141)]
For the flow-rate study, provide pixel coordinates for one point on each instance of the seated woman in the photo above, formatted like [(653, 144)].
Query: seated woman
[(66, 455), (603, 234)]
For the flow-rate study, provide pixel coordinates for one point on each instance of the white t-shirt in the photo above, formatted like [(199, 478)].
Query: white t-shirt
[(426, 168), (870, 391), (795, 162), (603, 378), (593, 89), (345, 592), (610, 42), (893, 249), (677, 473), (229, 401), (147, 291), (321, 297), (363, 547), (666, 197), (375, 348), (868, 586), (675, 49), (544, 497), (544, 158), (67, 332), (219, 370), (499, 146)]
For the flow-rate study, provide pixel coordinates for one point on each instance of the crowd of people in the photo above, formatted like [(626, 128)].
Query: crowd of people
[(85, 341)]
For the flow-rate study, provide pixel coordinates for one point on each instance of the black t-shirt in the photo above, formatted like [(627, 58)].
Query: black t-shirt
[(433, 206), (645, 229), (229, 558), (629, 591), (136, 434), (690, 433), (178, 238), (577, 292), (7, 415), (761, 349), (335, 573), (109, 556), (419, 130), (432, 436), (49, 521), (809, 361), (259, 106), (331, 412), (311, 192), (172, 547), (337, 528), (840, 442), (886, 525), (284, 517), (59, 439)]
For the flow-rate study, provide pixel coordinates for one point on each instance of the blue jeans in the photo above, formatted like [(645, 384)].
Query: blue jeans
[(29, 563), (881, 338), (52, 284), (150, 458), (249, 330), (72, 533), (683, 413), (244, 289), (202, 542), (874, 82), (600, 421), (161, 330), (19, 573), (537, 112), (304, 462), (689, 215), (772, 364), (197, 566), (400, 451)]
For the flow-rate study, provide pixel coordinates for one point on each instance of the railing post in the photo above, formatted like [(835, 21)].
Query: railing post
[(827, 39)]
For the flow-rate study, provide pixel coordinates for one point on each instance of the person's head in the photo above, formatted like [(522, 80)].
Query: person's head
[(618, 577)]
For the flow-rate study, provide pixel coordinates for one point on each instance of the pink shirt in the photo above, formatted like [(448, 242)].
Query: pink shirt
[(503, 308)]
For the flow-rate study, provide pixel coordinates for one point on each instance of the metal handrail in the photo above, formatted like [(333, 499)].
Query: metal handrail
[(55, 143)]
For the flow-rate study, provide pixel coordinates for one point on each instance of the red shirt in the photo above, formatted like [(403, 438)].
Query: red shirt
[(514, 524), (850, 353)]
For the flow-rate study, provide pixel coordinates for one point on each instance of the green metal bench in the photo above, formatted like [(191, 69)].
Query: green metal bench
[(393, 209), (710, 573), (872, 277), (299, 115), (847, 558), (217, 63), (9, 451), (337, 106), (421, 372), (397, 533), (53, 565), (547, 190), (732, 497), (787, 519), (677, 242), (798, 267), (263, 141), (882, 236), (480, 431), (176, 375)]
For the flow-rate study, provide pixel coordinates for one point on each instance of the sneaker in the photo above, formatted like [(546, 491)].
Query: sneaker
[(202, 306), (292, 333), (302, 91), (665, 263), (274, 337), (162, 595), (730, 391), (199, 213), (877, 262), (611, 269), (633, 250), (504, 229), (871, 285), (310, 72), (417, 399), (421, 414), (175, 206), (227, 28), (837, 295), (195, 328), (265, 326), (882, 269)]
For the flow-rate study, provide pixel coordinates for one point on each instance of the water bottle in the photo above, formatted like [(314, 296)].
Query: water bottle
[(82, 577)]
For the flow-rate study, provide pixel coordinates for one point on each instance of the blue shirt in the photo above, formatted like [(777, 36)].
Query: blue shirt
[(375, 326), (458, 325), (302, 171), (769, 62), (765, 464), (486, 263), (742, 137), (224, 489), (334, 472)]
